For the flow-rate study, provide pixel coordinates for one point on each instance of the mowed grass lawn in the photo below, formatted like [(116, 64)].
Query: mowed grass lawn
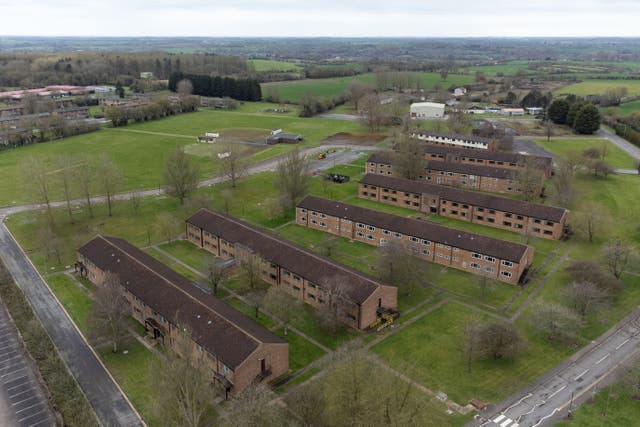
[(599, 87), (630, 107), (565, 146), (291, 91), (141, 150), (429, 351)]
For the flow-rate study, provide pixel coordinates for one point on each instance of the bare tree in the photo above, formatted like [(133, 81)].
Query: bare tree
[(251, 264), (292, 179), (182, 385), (136, 200), (555, 320), (166, 226), (397, 266), (227, 199), (409, 158), (255, 298), (617, 255), (184, 88), (181, 175), (484, 284), (254, 407), (563, 183), (335, 307), (308, 404), (548, 128), (214, 272), (601, 168), (469, 340), (591, 220), (36, 180), (499, 340), (283, 306), (110, 177), (84, 174), (234, 165), (585, 297), (197, 201), (458, 122), (111, 311), (530, 179), (356, 91), (372, 112), (51, 243), (65, 174), (504, 143), (328, 245)]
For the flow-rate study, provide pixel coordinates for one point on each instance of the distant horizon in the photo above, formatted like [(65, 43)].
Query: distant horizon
[(316, 37), (330, 18)]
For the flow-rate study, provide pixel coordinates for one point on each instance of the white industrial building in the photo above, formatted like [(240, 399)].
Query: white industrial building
[(426, 110)]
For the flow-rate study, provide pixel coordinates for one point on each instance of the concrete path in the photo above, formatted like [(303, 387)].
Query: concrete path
[(106, 398), (347, 117), (22, 399)]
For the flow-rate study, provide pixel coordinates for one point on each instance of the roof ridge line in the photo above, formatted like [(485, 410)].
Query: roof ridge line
[(182, 290)]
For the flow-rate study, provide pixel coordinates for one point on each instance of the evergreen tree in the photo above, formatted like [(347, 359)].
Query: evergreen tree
[(557, 111), (587, 119)]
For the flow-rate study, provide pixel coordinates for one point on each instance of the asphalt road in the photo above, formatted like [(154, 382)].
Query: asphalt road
[(570, 384), (104, 396), (22, 399)]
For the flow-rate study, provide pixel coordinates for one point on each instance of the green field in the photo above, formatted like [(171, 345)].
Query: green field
[(630, 107), (141, 150), (614, 156), (270, 65), (291, 91), (599, 87), (430, 350)]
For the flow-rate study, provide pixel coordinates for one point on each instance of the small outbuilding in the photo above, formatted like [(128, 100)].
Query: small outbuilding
[(279, 137)]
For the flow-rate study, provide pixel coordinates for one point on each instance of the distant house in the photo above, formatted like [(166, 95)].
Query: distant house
[(279, 137), (426, 110), (459, 91), (534, 111), (146, 75), (512, 112)]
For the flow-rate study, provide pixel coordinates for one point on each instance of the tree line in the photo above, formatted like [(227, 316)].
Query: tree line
[(90, 68), (121, 115), (216, 86), (45, 128)]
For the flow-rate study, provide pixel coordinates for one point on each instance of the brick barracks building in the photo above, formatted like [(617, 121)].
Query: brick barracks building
[(538, 220), (453, 140), (298, 271), (499, 259), (481, 178), (236, 349), (493, 159)]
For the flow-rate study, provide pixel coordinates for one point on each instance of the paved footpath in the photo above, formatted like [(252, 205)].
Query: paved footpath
[(107, 400), (22, 399)]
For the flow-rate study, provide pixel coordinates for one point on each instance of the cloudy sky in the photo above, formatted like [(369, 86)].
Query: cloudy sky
[(392, 18)]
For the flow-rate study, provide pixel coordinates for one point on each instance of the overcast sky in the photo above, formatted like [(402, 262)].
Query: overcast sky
[(341, 18)]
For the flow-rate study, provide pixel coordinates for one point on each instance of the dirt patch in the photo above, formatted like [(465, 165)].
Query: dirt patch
[(251, 136), (351, 139)]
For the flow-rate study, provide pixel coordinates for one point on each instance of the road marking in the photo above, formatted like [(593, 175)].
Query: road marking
[(506, 423), (623, 343), (579, 376), (545, 417), (557, 391), (518, 402), (598, 362), (499, 418)]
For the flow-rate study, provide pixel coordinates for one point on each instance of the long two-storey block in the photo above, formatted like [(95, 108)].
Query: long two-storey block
[(299, 271), (454, 140), (537, 220), (474, 177), (236, 349), (493, 159), (474, 253)]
